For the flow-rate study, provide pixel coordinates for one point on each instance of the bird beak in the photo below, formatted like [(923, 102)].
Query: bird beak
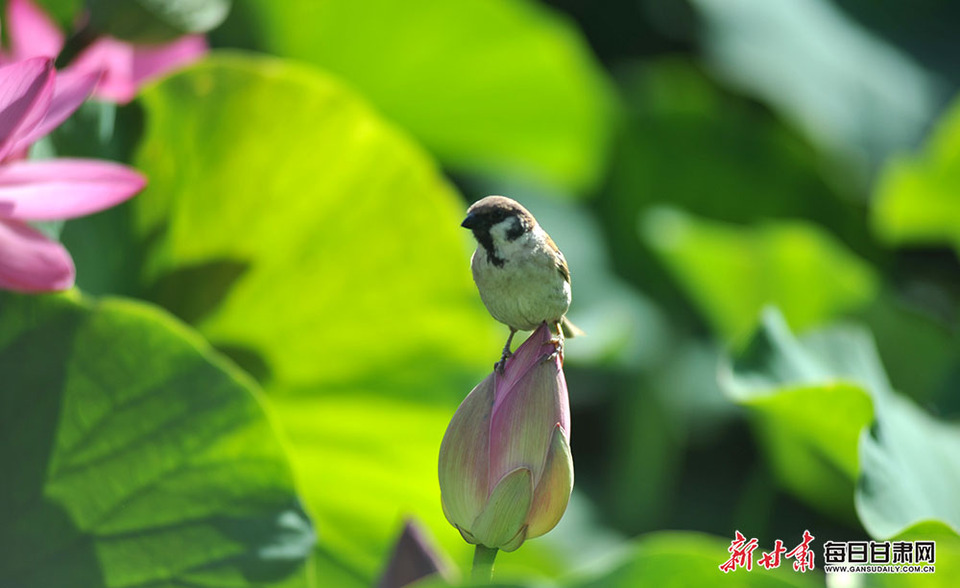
[(469, 222)]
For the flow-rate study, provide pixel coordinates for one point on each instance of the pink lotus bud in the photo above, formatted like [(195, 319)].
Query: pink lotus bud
[(506, 472)]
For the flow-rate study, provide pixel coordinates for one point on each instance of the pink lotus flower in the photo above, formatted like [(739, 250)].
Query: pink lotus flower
[(124, 66), (33, 101), (506, 471)]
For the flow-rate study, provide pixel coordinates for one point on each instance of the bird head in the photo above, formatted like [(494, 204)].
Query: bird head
[(496, 221)]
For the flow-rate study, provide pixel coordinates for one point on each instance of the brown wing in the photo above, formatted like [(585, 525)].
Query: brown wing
[(561, 260)]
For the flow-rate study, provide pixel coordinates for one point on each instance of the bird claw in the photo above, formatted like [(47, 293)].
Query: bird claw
[(557, 343), (502, 364)]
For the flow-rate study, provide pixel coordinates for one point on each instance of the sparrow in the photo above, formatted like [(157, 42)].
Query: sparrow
[(520, 272)]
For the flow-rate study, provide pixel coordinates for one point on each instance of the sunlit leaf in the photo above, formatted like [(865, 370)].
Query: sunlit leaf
[(495, 86), (313, 242), (132, 455), (916, 198), (732, 272), (320, 248)]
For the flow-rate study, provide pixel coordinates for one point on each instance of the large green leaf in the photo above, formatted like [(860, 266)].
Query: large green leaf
[(690, 144), (304, 236), (669, 559), (812, 450), (916, 198), (495, 86), (815, 394), (320, 248), (732, 272), (690, 559), (911, 468), (134, 456)]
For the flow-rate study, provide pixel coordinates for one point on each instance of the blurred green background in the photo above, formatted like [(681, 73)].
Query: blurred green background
[(759, 202)]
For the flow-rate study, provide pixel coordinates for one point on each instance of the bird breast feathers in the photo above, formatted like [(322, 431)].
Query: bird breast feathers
[(528, 289)]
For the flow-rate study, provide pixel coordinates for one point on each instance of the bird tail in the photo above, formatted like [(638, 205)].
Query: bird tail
[(569, 329)]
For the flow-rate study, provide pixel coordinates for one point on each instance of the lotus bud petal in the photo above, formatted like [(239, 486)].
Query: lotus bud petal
[(506, 470), (506, 510), (464, 457)]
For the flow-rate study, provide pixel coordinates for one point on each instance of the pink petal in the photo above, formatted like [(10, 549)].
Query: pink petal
[(70, 89), (31, 32), (526, 357), (26, 88), (29, 262), (150, 62), (126, 67), (114, 59), (64, 188), (521, 427), (531, 399)]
